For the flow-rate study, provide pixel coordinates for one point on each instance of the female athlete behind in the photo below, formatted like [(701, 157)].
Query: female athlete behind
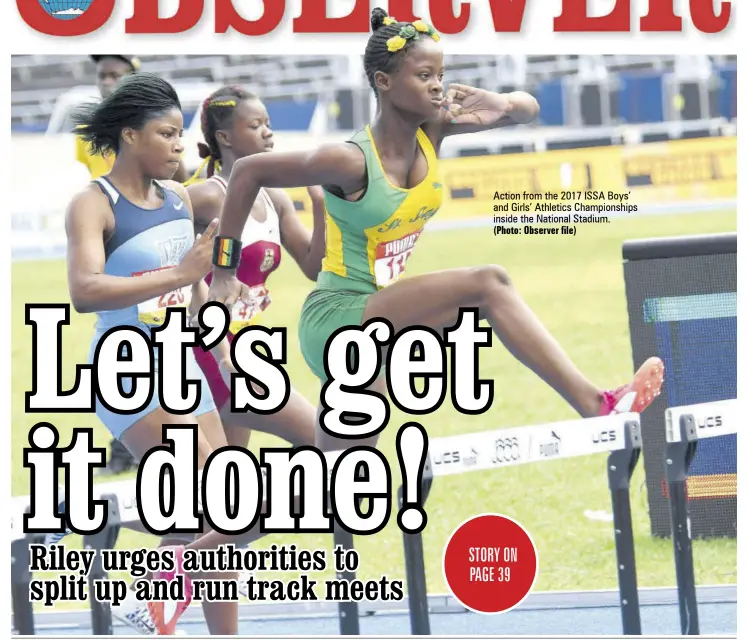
[(131, 244), (235, 125), (380, 189)]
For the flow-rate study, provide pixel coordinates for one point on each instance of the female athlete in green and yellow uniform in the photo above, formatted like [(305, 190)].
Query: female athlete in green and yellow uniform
[(381, 187), (368, 243)]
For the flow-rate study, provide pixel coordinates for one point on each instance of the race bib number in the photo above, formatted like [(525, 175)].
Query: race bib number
[(244, 313), (391, 258), (153, 312)]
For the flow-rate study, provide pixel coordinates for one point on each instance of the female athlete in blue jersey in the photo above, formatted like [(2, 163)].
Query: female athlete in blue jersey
[(132, 254)]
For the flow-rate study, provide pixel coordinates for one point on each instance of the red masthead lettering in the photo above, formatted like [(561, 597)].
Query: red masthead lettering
[(37, 18), (507, 15), (445, 20), (226, 17), (704, 18), (312, 19), (402, 10), (574, 17), (145, 17), (660, 17)]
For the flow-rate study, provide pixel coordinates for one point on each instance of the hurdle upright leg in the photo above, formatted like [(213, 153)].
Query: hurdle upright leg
[(621, 464), (414, 561), (101, 623), (678, 458), (349, 617), (20, 577)]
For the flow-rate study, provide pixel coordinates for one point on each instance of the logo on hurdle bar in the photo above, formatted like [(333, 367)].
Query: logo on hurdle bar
[(448, 457), (471, 459), (710, 422), (506, 450), (551, 448), (607, 435)]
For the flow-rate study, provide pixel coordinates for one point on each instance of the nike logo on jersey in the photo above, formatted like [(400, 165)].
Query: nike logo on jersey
[(178, 206)]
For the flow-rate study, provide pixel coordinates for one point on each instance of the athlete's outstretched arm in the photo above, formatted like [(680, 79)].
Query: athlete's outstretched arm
[(305, 247), (341, 165), (222, 350), (470, 110), (93, 290)]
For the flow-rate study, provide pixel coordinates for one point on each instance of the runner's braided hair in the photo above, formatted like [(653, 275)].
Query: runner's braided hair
[(389, 43), (138, 98), (218, 111)]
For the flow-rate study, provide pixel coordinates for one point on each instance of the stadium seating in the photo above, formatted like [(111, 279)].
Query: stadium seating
[(573, 90)]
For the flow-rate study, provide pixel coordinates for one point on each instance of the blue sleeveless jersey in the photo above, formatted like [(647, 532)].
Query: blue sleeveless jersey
[(146, 240)]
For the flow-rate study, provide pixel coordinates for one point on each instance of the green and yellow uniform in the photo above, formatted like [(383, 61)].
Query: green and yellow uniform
[(368, 243)]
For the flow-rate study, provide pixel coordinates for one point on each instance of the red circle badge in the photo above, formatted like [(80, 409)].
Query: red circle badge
[(490, 563)]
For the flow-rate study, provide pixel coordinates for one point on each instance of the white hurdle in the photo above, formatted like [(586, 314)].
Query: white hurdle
[(618, 435)]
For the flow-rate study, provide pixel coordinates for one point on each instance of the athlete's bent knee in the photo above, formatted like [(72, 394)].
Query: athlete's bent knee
[(494, 281)]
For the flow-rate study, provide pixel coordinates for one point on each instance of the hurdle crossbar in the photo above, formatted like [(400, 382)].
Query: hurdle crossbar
[(618, 435), (685, 426)]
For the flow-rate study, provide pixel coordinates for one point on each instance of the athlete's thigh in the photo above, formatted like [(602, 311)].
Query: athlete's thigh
[(431, 300), (235, 434), (211, 429), (295, 422), (148, 432)]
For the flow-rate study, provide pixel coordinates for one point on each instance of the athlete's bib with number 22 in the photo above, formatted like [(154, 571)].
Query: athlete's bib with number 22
[(153, 311)]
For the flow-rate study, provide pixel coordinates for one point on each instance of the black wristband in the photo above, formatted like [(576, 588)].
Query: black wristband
[(226, 252)]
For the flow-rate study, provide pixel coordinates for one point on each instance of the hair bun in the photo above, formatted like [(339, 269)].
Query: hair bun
[(376, 18), (204, 150)]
